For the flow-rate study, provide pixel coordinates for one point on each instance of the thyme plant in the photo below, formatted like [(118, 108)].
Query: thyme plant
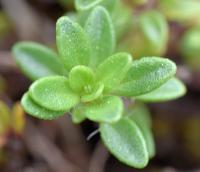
[(90, 81)]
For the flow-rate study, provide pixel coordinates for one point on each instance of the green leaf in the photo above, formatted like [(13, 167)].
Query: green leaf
[(96, 92), (140, 115), (125, 141), (78, 115), (155, 29), (36, 60), (112, 71), (37, 111), (81, 78), (73, 44), (53, 93), (170, 90), (100, 31), (86, 4), (106, 109), (145, 75)]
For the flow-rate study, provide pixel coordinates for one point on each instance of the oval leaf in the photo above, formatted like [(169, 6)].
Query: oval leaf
[(107, 109), (145, 75), (112, 71), (170, 90), (125, 141), (53, 93), (36, 60), (37, 111), (100, 31), (86, 4), (81, 78), (140, 115), (73, 45)]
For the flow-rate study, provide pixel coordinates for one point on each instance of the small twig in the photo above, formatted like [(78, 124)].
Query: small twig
[(39, 145), (92, 134), (98, 159)]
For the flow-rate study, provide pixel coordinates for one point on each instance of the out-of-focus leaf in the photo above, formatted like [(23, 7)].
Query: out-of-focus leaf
[(17, 118), (190, 48), (36, 60), (125, 141), (4, 118), (86, 4)]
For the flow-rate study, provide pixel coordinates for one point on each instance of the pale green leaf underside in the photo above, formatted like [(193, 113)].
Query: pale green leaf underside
[(36, 60), (73, 44), (54, 93), (140, 115), (101, 34), (106, 109), (112, 71), (37, 111), (86, 4), (78, 115), (125, 141), (81, 77), (170, 90), (145, 75)]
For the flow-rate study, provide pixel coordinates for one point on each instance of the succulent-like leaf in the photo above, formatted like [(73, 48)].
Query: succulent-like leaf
[(100, 31), (78, 115), (54, 93), (145, 75), (73, 44), (96, 92), (36, 60), (140, 115), (81, 79), (170, 90), (125, 141), (112, 71), (86, 4), (37, 111), (106, 109)]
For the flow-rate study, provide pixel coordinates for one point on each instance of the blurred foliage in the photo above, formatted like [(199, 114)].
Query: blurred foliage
[(2, 84), (190, 47), (11, 120), (5, 24)]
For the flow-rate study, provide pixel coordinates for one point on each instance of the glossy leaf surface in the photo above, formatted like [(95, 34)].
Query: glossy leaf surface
[(125, 141)]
